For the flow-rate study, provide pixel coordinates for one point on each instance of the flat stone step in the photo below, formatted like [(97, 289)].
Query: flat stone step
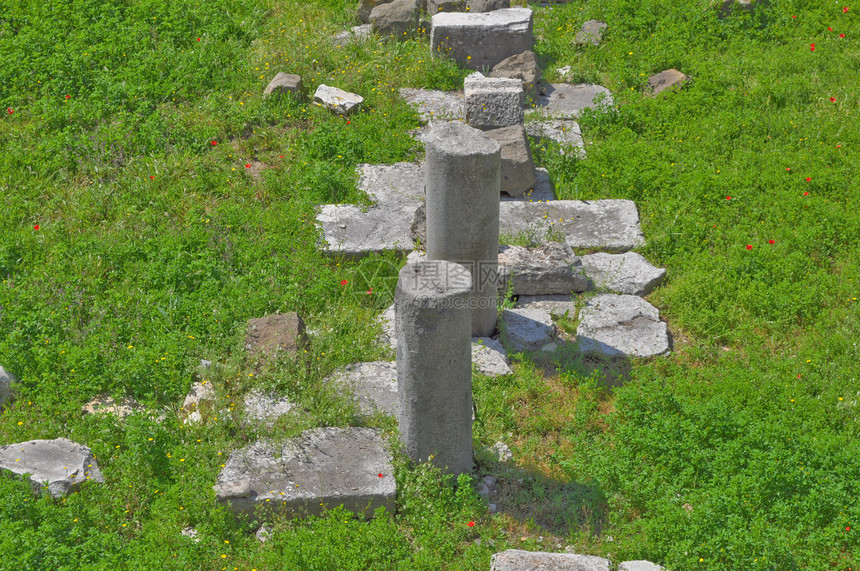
[(568, 100), (628, 273), (373, 385), (60, 464), (565, 132), (613, 326), (600, 224), (320, 469)]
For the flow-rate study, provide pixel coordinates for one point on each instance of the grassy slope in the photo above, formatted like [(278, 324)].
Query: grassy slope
[(155, 246)]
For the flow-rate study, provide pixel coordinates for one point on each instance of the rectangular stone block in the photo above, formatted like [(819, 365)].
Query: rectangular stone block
[(493, 102), (480, 41), (517, 168)]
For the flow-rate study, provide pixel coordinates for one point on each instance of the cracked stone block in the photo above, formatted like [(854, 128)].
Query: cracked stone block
[(337, 100), (565, 132), (517, 170), (590, 33), (320, 469), (613, 326), (490, 357), (628, 273), (481, 40), (493, 102), (543, 270), (60, 464), (527, 329), (605, 224), (518, 560), (373, 385), (565, 100)]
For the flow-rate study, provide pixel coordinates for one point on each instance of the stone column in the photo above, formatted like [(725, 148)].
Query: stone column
[(434, 364), (462, 204)]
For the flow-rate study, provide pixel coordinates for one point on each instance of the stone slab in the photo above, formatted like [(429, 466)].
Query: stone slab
[(493, 102), (590, 33), (518, 560), (565, 100), (482, 40), (639, 565), (565, 132), (265, 408), (490, 357), (614, 326), (401, 183), (606, 224), (527, 329), (543, 270), (276, 335), (337, 100), (60, 463), (105, 404), (627, 273), (329, 466), (556, 305), (432, 104), (373, 385)]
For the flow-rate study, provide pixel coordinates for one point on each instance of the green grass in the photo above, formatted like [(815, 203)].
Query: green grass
[(155, 246)]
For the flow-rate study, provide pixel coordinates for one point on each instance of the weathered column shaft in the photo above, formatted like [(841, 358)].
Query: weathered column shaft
[(434, 364), (462, 204)]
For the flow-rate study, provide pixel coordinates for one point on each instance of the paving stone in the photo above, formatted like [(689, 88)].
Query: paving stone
[(606, 224), (614, 326), (490, 357), (477, 6), (105, 404), (524, 67), (353, 232), (354, 34), (265, 408), (640, 565), (555, 305), (493, 102), (60, 463), (482, 40), (527, 329), (518, 560), (329, 466), (627, 273), (437, 6), (374, 385), (397, 19), (365, 7), (542, 192), (285, 84), (565, 132), (432, 104), (590, 33), (666, 79), (7, 387), (568, 100), (337, 100), (517, 170), (275, 336), (543, 270)]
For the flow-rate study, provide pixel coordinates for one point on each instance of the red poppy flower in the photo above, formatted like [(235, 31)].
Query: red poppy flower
[(343, 282), (809, 179), (847, 528), (841, 35), (838, 146), (36, 227), (347, 122), (805, 194), (151, 177), (728, 198), (788, 168), (381, 476), (794, 17), (845, 9), (214, 143), (771, 241), (833, 100), (471, 524), (198, 39), (812, 47), (369, 291), (9, 110), (280, 156), (68, 96), (247, 166), (829, 29), (749, 246)]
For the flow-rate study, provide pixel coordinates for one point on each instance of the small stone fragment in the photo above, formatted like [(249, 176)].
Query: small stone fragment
[(7, 387), (490, 357), (665, 79), (639, 565), (590, 33), (365, 7), (275, 335), (266, 408), (105, 404), (355, 33), (285, 84), (524, 67), (337, 100)]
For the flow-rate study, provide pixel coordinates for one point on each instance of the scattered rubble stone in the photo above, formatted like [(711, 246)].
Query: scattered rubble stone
[(666, 79), (490, 357), (543, 270), (60, 464), (105, 404), (527, 329), (275, 335), (613, 326), (365, 7), (477, 6), (435, 105), (7, 387), (640, 565), (590, 33), (518, 560), (354, 34), (524, 67), (266, 408), (337, 100), (373, 384), (285, 84), (566, 132)]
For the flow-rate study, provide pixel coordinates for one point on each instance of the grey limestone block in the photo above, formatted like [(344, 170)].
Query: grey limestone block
[(397, 19), (365, 7), (285, 84), (265, 408), (493, 102), (527, 329), (627, 273), (524, 67), (435, 105), (480, 41), (565, 132), (517, 174), (639, 565), (60, 464), (550, 269), (617, 326), (518, 560), (329, 466), (337, 100), (437, 6), (373, 385), (565, 100), (478, 6), (490, 357)]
